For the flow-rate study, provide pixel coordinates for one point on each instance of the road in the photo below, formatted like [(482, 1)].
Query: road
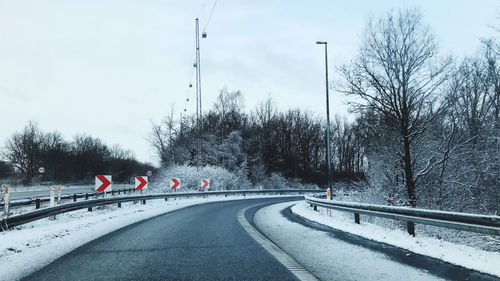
[(207, 242), (204, 242)]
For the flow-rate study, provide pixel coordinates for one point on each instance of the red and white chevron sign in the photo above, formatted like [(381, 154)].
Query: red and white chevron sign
[(175, 183), (141, 183), (205, 183), (102, 183)]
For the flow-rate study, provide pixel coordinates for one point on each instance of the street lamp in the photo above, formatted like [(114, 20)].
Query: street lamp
[(327, 120)]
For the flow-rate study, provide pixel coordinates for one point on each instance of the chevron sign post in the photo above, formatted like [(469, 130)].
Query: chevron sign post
[(205, 183), (175, 183), (102, 183), (141, 183)]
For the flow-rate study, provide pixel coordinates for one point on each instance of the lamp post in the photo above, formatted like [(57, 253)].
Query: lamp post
[(327, 120)]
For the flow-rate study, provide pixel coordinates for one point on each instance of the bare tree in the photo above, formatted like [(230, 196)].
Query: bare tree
[(55, 155), (469, 97), (23, 150), (163, 136), (397, 73), (90, 155), (229, 107)]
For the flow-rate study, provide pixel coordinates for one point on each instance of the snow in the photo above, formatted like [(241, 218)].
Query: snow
[(327, 257), (29, 247), (462, 255)]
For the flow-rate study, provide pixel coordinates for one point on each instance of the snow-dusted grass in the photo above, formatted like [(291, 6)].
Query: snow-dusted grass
[(31, 246), (462, 255)]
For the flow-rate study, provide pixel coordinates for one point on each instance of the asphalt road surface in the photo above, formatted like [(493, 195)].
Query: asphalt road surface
[(203, 242)]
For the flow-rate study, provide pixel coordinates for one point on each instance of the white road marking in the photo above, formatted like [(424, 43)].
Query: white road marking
[(286, 260)]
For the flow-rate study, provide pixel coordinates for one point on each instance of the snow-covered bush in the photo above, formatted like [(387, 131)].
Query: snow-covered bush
[(275, 181), (190, 177), (220, 179)]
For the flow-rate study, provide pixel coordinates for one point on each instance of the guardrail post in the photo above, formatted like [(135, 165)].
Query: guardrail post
[(52, 202), (119, 191), (119, 204), (59, 194), (6, 201), (356, 218), (86, 196), (112, 192), (37, 203), (144, 202), (411, 228), (74, 197), (315, 208), (90, 209)]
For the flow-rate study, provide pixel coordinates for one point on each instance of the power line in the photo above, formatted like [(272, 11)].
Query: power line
[(210, 16)]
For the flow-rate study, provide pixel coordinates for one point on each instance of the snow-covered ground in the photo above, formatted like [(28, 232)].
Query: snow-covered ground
[(462, 255), (31, 246), (329, 258)]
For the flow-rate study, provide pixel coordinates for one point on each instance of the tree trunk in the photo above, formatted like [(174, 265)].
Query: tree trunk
[(410, 183)]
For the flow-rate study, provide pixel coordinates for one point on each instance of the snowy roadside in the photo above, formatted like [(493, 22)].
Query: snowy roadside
[(30, 247), (462, 255), (329, 258)]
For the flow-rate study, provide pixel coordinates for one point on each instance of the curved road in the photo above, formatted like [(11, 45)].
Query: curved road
[(202, 242), (207, 242)]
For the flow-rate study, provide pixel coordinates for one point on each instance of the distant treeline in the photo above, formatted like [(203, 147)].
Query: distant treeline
[(78, 160), (262, 142)]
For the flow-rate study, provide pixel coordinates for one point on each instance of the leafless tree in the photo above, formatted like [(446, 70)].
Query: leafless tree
[(162, 138), (23, 151), (398, 74), (469, 97), (228, 106)]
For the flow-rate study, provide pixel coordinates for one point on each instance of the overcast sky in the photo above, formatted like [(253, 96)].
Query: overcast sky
[(107, 68)]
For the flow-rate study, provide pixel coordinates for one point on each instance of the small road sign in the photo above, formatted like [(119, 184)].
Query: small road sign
[(175, 183), (41, 170), (141, 183), (205, 183), (102, 183), (149, 173)]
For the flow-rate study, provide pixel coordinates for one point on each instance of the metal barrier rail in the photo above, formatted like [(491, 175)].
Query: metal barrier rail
[(16, 220), (462, 221), (29, 201)]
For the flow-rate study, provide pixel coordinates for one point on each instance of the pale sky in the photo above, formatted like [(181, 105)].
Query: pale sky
[(107, 68)]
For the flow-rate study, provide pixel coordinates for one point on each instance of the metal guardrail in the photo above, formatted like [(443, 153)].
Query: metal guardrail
[(462, 221), (38, 200), (16, 220)]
